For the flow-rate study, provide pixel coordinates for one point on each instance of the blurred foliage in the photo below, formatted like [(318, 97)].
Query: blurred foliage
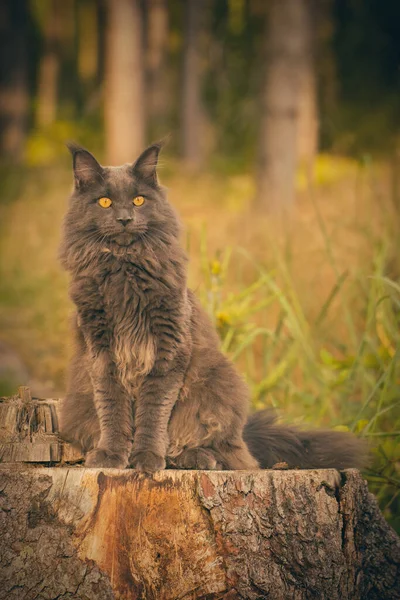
[(367, 53), (357, 52), (46, 147)]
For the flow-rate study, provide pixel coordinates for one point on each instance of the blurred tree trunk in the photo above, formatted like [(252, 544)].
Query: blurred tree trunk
[(285, 55), (124, 82), (88, 15), (192, 118), (49, 68), (307, 133), (88, 40), (327, 71), (14, 96), (157, 47)]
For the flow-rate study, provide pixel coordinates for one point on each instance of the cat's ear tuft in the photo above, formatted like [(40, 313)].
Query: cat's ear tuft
[(146, 165), (86, 168)]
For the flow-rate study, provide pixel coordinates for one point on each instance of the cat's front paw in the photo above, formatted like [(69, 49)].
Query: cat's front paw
[(147, 462), (100, 458)]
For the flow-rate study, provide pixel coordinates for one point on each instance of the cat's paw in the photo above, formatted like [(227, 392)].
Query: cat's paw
[(99, 458), (197, 459), (147, 462)]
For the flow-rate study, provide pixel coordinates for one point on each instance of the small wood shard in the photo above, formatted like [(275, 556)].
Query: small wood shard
[(280, 466), (24, 393)]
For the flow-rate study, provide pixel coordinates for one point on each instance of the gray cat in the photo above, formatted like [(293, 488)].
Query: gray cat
[(148, 385)]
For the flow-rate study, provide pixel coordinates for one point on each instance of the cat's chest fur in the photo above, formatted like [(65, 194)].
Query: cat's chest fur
[(127, 298)]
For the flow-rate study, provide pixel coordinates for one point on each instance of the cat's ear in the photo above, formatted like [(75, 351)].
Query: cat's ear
[(86, 168), (146, 165)]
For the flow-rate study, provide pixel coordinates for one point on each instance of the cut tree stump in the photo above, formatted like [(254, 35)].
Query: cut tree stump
[(97, 534), (29, 431)]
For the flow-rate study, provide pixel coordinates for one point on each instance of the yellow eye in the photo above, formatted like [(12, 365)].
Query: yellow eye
[(105, 202), (138, 201)]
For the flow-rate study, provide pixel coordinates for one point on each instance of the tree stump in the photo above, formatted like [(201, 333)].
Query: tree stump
[(29, 431), (71, 532)]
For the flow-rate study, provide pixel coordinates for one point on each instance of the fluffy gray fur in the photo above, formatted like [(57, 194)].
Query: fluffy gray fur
[(148, 386)]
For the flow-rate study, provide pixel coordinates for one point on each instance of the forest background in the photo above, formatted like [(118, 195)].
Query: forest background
[(283, 162)]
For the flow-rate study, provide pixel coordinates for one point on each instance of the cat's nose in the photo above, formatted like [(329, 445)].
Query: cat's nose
[(124, 220)]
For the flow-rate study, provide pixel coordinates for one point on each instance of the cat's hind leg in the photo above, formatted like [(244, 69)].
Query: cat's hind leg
[(235, 455), (227, 456), (78, 421), (196, 458)]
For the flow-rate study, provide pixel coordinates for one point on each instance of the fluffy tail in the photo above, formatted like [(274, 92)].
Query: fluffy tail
[(320, 449)]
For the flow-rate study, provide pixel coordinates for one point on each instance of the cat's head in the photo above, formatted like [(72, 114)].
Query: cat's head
[(119, 205)]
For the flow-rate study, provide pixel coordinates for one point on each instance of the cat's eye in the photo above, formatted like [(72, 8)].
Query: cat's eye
[(138, 200), (104, 202)]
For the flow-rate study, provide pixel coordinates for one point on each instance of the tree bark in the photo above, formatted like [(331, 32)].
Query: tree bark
[(192, 110), (124, 111), (286, 60), (100, 534)]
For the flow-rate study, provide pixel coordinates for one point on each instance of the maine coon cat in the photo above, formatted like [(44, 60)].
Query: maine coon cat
[(148, 386)]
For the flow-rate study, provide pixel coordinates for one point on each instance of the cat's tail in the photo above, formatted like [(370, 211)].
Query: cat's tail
[(271, 443)]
